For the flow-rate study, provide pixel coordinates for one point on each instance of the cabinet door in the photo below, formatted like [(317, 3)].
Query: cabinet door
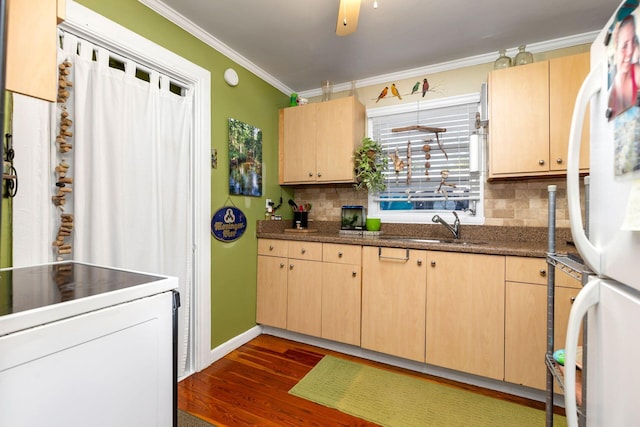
[(566, 75), (526, 331), (271, 292), (304, 297), (465, 313), (298, 144), (340, 128), (341, 302), (525, 334), (393, 301), (519, 120), (31, 48)]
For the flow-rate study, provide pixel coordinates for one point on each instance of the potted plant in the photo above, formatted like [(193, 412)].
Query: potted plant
[(370, 162)]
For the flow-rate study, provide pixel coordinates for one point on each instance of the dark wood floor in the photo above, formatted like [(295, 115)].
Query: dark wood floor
[(249, 387)]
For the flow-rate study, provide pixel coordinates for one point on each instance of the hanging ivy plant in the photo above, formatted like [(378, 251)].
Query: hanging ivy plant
[(370, 163)]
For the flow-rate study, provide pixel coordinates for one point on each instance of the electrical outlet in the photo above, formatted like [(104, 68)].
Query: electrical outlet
[(268, 203)]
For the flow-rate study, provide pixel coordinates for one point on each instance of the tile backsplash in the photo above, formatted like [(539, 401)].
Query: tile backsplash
[(521, 203)]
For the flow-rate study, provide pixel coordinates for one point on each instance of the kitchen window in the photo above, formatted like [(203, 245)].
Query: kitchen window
[(434, 152)]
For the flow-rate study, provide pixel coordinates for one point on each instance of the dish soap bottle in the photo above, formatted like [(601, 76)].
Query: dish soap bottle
[(503, 61), (523, 57)]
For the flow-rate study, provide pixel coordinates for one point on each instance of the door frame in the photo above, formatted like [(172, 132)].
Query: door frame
[(95, 28)]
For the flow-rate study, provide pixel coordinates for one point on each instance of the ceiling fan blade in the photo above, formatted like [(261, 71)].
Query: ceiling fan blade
[(348, 13)]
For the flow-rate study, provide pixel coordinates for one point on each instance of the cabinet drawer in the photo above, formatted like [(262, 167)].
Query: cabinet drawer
[(342, 254), (305, 250), (534, 270), (526, 270), (271, 247)]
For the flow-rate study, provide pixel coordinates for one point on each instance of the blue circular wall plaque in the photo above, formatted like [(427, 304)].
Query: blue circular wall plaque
[(228, 224)]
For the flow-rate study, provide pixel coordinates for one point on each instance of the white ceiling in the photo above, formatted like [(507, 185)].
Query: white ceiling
[(293, 42)]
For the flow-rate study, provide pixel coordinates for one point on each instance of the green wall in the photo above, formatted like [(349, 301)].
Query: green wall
[(233, 265)]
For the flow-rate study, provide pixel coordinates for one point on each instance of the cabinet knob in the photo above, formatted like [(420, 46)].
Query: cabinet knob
[(290, 266), (354, 274), (270, 247), (559, 161), (282, 265), (541, 162), (340, 254), (433, 263), (303, 250), (419, 262), (572, 300), (319, 174), (543, 272), (310, 174)]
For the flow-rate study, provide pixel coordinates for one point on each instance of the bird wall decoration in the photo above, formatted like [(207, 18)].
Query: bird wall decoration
[(383, 93), (425, 86), (415, 89), (394, 91)]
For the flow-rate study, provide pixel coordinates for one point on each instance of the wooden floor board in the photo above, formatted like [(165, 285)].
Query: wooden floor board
[(250, 387)]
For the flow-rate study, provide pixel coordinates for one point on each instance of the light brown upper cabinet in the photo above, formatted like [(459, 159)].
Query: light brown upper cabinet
[(31, 47), (530, 111), (317, 141)]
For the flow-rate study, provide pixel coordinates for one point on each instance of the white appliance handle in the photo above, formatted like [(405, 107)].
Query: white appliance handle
[(589, 88), (587, 298)]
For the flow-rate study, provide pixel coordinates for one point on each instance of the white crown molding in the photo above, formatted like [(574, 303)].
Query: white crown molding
[(458, 63), (170, 14), (178, 19)]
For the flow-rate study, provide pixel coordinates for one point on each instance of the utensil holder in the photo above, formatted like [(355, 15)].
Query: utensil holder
[(300, 220)]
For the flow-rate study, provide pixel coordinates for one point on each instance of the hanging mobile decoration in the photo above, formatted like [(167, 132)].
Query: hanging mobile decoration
[(440, 145), (427, 155), (64, 182), (398, 163), (444, 174), (409, 162)]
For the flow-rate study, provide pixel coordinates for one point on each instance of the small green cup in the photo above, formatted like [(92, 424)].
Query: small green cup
[(373, 224)]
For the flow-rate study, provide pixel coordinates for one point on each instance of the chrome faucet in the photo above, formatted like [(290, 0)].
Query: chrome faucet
[(455, 228)]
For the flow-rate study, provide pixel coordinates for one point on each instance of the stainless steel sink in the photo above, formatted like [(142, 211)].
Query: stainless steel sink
[(426, 240)]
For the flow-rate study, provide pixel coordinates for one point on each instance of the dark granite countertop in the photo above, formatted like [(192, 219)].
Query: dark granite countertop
[(479, 239)]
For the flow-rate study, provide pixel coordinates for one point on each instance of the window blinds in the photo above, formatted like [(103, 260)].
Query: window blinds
[(434, 168)]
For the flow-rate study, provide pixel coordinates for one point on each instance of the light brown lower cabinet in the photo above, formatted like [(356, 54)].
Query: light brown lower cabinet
[(394, 283), (271, 287), (304, 292), (526, 319), (341, 293), (304, 297), (298, 291), (465, 313), (480, 314)]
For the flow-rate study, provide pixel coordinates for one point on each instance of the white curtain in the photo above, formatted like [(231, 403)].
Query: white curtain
[(33, 213), (132, 199)]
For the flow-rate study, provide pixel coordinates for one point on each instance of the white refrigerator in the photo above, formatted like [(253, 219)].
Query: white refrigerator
[(611, 248)]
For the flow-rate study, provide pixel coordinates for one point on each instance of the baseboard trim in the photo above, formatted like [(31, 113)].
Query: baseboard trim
[(529, 393), (239, 340), (488, 383)]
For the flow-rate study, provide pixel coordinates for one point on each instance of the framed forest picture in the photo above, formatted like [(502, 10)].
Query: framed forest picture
[(245, 159)]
